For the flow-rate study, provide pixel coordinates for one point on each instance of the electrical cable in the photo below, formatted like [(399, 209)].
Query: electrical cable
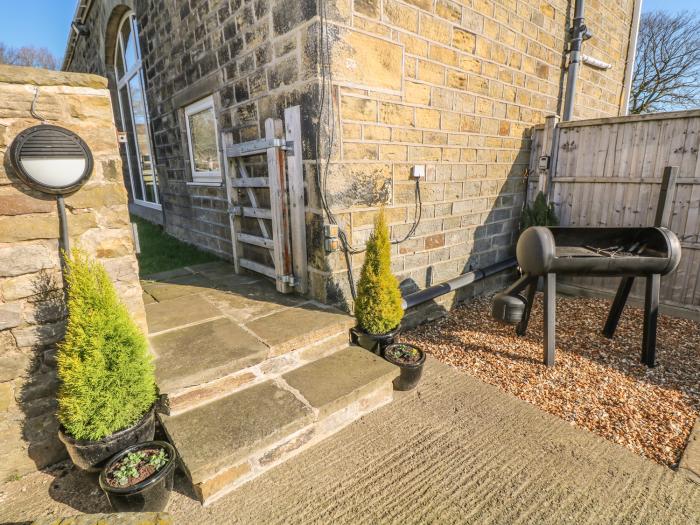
[(32, 109), (321, 177)]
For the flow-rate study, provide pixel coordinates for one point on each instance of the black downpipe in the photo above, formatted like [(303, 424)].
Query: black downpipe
[(578, 33), (428, 294)]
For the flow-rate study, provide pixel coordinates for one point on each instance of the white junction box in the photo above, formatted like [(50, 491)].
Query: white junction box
[(418, 171)]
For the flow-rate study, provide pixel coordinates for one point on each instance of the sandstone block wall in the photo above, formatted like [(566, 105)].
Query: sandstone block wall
[(31, 297), (457, 87)]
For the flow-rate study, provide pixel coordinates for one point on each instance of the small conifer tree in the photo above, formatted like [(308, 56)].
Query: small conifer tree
[(539, 214), (106, 372), (378, 305)]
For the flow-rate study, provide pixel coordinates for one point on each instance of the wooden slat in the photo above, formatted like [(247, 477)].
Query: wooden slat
[(295, 178), (231, 199), (255, 240), (253, 213), (262, 214), (259, 268), (251, 182), (282, 253)]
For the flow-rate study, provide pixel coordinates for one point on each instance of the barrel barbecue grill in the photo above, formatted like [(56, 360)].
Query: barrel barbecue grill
[(626, 252)]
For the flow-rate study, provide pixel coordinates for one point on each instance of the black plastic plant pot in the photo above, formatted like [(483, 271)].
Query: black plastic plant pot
[(410, 372), (150, 495), (91, 455), (375, 343)]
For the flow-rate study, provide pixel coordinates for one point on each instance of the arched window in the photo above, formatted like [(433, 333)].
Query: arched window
[(134, 113)]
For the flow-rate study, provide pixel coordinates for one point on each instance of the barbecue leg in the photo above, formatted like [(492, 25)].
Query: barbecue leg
[(623, 292), (521, 329), (651, 314), (550, 307)]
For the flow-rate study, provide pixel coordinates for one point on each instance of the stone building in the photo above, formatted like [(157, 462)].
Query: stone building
[(383, 85)]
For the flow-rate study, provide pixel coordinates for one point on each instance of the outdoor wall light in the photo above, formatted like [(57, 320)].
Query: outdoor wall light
[(52, 160)]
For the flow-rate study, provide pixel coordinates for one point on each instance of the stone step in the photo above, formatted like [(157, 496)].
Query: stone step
[(224, 377), (216, 347), (229, 441)]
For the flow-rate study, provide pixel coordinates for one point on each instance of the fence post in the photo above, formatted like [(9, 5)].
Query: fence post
[(546, 164), (278, 207), (664, 208)]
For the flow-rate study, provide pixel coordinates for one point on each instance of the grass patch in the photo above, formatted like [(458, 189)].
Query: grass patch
[(161, 252)]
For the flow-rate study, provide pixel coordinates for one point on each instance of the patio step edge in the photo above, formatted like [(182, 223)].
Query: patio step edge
[(335, 391)]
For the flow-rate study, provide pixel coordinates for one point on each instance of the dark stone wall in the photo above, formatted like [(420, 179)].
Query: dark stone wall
[(255, 57)]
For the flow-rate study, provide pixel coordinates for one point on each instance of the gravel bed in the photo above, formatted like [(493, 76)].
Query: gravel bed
[(597, 384)]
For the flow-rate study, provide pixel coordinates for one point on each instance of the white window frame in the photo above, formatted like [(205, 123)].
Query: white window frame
[(135, 172), (202, 177)]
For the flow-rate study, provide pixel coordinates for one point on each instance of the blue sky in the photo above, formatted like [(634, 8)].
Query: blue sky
[(45, 23), (42, 23)]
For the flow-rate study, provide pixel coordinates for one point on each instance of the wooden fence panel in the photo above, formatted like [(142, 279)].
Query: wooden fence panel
[(608, 173)]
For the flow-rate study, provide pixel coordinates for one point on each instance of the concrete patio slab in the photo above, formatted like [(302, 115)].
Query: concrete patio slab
[(219, 270), (224, 432), (179, 312), (244, 302), (176, 286), (455, 450), (196, 354), (299, 326), (341, 378), (690, 461)]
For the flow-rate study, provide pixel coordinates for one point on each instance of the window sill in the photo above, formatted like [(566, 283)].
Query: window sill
[(205, 183)]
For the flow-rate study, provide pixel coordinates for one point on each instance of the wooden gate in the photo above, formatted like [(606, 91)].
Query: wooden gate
[(265, 191)]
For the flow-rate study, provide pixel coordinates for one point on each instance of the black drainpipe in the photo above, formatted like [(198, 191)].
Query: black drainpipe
[(428, 294), (578, 33)]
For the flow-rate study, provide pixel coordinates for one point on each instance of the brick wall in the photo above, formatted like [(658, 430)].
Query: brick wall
[(455, 86), (31, 296)]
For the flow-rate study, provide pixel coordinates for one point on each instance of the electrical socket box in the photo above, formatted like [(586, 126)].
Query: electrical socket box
[(418, 171), (331, 242)]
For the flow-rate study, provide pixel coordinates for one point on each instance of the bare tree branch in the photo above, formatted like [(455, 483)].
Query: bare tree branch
[(667, 68), (27, 56)]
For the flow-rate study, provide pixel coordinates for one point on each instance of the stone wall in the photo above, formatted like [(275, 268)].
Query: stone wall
[(31, 295), (457, 87), (255, 58), (454, 86)]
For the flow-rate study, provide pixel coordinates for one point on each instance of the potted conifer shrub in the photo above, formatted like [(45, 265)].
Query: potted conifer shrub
[(378, 305), (107, 386)]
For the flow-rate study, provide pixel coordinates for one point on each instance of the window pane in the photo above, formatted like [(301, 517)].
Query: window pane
[(119, 61), (203, 138), (141, 132), (130, 144), (129, 44)]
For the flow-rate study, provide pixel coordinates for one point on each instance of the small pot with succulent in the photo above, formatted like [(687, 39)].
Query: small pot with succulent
[(140, 478), (378, 305), (410, 359)]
